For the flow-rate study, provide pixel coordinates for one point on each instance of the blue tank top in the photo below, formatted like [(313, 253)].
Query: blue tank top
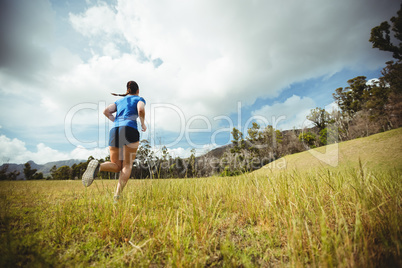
[(127, 113)]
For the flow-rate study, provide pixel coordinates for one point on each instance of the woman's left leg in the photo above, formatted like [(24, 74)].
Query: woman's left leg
[(115, 164)]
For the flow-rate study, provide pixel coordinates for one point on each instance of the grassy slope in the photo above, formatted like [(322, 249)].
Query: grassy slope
[(381, 151)]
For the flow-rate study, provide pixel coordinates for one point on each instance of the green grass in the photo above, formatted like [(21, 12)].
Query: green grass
[(347, 215)]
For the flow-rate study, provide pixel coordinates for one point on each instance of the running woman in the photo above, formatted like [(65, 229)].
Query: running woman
[(124, 137)]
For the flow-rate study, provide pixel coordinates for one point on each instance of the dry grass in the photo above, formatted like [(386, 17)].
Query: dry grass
[(344, 216), (347, 218)]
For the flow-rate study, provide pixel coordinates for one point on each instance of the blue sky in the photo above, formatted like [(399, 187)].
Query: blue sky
[(202, 67)]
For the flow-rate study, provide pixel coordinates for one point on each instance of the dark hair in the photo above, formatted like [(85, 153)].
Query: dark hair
[(132, 88)]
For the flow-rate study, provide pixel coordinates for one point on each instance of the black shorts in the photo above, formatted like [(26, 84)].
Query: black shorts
[(120, 136)]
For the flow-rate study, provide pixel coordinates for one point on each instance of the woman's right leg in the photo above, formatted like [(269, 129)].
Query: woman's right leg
[(115, 164), (129, 152)]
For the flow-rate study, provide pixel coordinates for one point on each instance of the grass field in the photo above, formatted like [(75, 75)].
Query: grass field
[(347, 215)]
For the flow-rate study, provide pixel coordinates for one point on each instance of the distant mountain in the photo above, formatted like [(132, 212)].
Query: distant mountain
[(217, 152), (45, 169)]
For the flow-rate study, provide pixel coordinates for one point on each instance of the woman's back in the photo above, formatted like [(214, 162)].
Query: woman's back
[(127, 112)]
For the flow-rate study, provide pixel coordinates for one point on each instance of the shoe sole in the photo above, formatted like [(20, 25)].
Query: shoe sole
[(89, 174)]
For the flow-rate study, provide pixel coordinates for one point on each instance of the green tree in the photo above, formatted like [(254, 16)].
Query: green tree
[(238, 141), (164, 163), (38, 176), (392, 74), (12, 176), (234, 161), (308, 138), (145, 157), (178, 168), (271, 141), (320, 117), (28, 171), (63, 173), (165, 153), (352, 98), (8, 176), (53, 171), (191, 167), (3, 173), (254, 132), (328, 135), (254, 137), (392, 78), (381, 39), (77, 170)]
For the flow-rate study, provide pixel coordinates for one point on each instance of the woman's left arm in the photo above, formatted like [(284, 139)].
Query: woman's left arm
[(108, 112)]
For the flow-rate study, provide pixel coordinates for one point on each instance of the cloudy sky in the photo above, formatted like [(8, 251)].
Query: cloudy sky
[(203, 67)]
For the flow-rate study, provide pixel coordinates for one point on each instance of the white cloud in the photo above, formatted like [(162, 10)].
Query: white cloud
[(180, 152), (184, 152), (110, 49), (97, 20), (333, 106), (177, 152), (15, 151), (11, 149), (214, 54), (289, 114), (373, 81), (82, 153)]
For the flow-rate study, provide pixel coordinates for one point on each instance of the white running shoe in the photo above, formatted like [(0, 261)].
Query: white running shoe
[(91, 172)]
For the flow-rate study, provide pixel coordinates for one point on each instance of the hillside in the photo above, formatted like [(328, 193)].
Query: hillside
[(381, 151)]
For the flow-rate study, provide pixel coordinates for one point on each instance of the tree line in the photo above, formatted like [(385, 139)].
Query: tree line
[(364, 108)]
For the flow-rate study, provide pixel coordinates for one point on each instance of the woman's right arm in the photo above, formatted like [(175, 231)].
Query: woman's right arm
[(141, 114), (108, 112)]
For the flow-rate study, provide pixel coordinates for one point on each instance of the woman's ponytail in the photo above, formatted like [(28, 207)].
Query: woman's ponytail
[(119, 95), (132, 88)]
